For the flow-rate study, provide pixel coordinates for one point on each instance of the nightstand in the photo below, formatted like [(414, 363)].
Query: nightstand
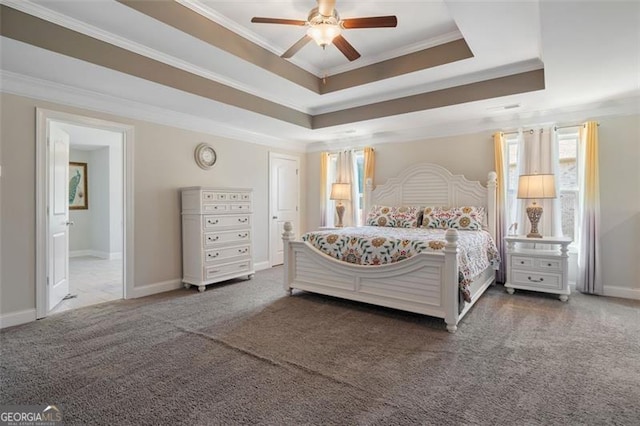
[(537, 269)]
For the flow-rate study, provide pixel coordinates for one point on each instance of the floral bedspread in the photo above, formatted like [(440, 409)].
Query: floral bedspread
[(375, 245)]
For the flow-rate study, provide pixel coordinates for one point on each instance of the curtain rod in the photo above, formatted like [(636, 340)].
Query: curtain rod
[(554, 128), (572, 125)]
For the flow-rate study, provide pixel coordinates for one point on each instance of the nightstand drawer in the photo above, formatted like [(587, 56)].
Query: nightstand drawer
[(521, 262), (537, 279), (545, 264)]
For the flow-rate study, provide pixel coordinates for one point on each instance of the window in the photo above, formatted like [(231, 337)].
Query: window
[(512, 179), (332, 173), (568, 183), (567, 180)]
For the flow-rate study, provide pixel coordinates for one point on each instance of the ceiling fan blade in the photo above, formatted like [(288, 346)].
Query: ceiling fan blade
[(297, 46), (346, 48), (325, 7), (373, 22), (258, 20)]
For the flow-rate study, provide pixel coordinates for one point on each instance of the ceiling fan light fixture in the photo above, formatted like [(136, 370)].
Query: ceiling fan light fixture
[(324, 33)]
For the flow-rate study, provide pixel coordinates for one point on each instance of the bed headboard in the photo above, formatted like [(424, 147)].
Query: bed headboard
[(429, 184)]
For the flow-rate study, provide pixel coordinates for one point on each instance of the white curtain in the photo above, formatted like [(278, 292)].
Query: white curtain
[(538, 153), (346, 173)]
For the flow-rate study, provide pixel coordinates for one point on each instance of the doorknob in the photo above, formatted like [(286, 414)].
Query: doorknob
[(70, 223), (274, 217)]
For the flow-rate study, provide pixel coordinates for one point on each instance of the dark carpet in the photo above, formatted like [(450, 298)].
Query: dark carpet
[(245, 353)]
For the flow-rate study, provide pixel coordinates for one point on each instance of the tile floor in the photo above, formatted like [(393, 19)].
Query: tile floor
[(93, 280)]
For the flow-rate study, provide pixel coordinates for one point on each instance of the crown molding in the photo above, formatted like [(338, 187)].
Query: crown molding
[(561, 116), (49, 15), (21, 85), (209, 13), (396, 53), (488, 74)]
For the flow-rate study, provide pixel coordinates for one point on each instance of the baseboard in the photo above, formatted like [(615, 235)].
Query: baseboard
[(624, 292), (155, 288), (261, 266), (17, 318), (80, 253), (96, 253)]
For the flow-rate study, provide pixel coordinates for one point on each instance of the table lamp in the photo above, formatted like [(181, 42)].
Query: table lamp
[(535, 187), (339, 192)]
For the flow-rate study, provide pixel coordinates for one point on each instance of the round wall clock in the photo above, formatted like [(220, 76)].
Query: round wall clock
[(205, 156)]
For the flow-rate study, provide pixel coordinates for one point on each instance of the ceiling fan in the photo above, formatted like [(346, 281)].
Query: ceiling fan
[(325, 27)]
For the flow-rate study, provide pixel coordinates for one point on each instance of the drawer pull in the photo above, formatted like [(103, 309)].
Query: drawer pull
[(213, 222), (243, 251), (213, 254), (245, 235), (548, 264), (216, 238), (522, 262), (535, 281), (243, 220)]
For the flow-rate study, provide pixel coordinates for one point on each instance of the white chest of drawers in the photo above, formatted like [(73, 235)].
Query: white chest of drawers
[(216, 235), (536, 269)]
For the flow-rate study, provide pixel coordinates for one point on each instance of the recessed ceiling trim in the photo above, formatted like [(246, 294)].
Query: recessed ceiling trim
[(35, 31), (193, 23), (38, 32), (91, 31), (208, 12), (519, 83), (428, 58), (186, 20)]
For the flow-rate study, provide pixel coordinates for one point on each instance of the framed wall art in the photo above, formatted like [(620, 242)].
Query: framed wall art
[(78, 188)]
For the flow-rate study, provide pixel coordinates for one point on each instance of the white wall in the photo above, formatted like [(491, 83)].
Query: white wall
[(472, 155), (163, 163), (99, 201), (80, 233)]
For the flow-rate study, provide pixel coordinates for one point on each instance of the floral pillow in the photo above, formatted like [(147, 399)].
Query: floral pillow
[(381, 216), (397, 217), (407, 216), (468, 217)]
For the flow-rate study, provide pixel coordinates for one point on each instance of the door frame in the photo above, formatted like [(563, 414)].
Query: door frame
[(43, 119), (272, 156)]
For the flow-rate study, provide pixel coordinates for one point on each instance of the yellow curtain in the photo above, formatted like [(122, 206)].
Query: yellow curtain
[(324, 170), (589, 270), (369, 173), (501, 202)]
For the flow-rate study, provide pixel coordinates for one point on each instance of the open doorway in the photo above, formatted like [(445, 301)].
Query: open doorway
[(95, 216), (84, 217)]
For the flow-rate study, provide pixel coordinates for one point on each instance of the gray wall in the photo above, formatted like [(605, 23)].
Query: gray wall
[(163, 162), (472, 156)]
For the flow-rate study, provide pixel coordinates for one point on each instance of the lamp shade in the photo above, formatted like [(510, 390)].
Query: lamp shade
[(536, 186), (340, 191)]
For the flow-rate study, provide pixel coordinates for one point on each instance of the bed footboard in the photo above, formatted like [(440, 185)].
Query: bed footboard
[(427, 283)]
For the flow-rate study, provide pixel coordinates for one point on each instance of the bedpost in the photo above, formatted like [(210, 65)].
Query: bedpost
[(450, 285), (287, 236), (492, 205)]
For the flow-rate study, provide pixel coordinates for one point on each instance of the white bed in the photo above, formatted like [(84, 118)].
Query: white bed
[(426, 283)]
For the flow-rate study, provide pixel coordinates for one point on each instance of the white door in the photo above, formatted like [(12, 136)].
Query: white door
[(284, 197), (58, 217)]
